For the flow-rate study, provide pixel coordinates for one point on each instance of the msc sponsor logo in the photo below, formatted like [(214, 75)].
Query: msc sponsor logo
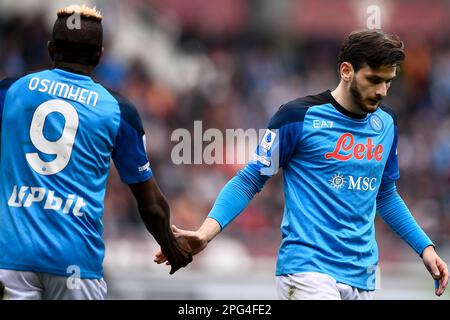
[(350, 182), (337, 181), (346, 149), (25, 196)]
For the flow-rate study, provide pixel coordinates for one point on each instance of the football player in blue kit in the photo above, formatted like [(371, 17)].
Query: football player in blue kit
[(59, 129), (338, 152)]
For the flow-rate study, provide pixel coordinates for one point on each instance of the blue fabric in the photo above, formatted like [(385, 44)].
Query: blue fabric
[(333, 165), (236, 195), (130, 145), (396, 214), (52, 188)]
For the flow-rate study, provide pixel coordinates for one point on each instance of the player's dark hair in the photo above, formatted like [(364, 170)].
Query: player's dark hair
[(372, 47), (77, 41)]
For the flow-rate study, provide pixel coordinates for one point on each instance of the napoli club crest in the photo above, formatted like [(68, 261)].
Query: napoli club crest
[(376, 123)]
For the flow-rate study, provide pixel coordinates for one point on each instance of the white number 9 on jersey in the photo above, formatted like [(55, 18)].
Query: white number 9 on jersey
[(62, 147)]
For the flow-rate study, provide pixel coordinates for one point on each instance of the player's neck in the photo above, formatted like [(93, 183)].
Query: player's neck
[(342, 95), (75, 67)]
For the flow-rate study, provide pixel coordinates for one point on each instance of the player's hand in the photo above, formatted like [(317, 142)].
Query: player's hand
[(178, 254), (437, 268), (193, 239)]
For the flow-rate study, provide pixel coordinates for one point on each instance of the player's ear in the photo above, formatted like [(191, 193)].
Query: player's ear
[(346, 71), (51, 49)]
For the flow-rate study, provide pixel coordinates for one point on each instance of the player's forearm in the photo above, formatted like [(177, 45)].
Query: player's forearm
[(155, 213), (209, 229), (235, 195), (156, 218), (396, 214)]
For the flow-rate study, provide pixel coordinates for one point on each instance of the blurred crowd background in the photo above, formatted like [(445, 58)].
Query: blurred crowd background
[(231, 64)]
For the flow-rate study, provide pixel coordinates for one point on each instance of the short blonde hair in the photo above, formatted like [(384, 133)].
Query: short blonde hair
[(83, 10)]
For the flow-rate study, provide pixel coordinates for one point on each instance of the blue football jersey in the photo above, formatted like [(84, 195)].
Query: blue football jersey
[(333, 163), (59, 130)]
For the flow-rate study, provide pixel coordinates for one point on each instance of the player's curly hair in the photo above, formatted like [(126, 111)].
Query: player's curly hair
[(77, 35), (372, 47)]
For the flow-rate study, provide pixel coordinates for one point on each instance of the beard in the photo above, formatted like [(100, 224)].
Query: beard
[(368, 105)]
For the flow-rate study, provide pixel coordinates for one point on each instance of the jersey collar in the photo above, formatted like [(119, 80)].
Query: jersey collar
[(341, 109)]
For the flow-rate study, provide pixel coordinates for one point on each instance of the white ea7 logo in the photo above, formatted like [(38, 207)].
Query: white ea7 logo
[(317, 124)]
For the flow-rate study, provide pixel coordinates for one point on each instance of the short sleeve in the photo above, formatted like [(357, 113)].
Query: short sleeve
[(279, 141), (129, 154)]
